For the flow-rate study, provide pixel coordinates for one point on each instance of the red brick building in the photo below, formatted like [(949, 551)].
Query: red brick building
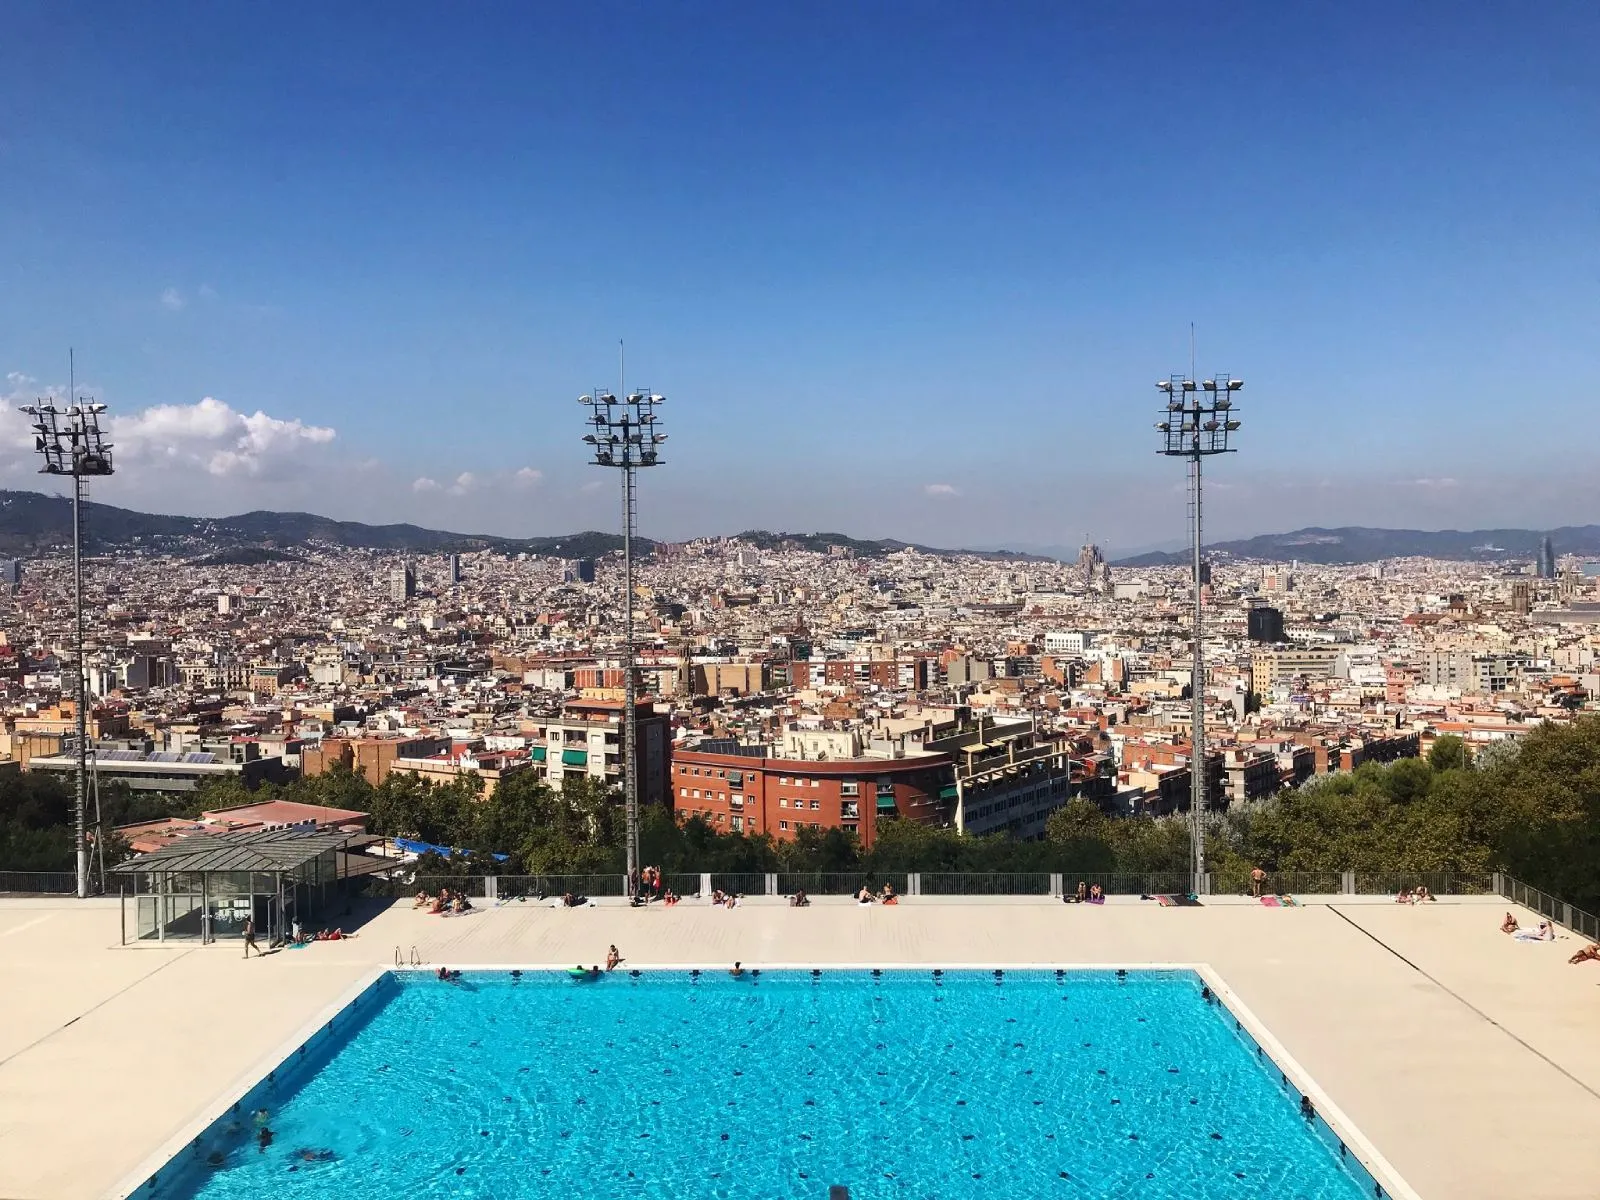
[(781, 796)]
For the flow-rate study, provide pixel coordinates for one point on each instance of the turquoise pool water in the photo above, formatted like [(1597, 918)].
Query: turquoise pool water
[(667, 1085)]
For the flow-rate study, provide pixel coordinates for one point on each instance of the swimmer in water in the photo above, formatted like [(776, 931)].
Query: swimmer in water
[(737, 972)]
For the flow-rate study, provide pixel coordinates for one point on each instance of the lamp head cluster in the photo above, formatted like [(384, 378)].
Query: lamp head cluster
[(623, 430), (70, 439), (1199, 416)]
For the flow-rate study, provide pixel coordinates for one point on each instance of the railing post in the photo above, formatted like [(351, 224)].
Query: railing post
[(1347, 882), (491, 887), (914, 884), (1499, 884), (1566, 914), (772, 883), (705, 883), (1055, 883)]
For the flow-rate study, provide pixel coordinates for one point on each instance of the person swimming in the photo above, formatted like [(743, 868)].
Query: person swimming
[(737, 971)]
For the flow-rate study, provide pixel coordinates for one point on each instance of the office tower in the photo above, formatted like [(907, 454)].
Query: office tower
[(11, 572), (1547, 558), (402, 583), (455, 569), (1264, 624)]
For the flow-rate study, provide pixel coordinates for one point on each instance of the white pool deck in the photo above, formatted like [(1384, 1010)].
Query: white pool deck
[(1473, 1068)]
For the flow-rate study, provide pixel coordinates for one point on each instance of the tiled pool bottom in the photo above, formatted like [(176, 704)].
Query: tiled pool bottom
[(954, 1085)]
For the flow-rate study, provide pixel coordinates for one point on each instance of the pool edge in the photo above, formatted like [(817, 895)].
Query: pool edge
[(129, 1185), (1344, 1130)]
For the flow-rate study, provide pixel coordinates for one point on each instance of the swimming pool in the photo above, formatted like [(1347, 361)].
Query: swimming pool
[(915, 1083)]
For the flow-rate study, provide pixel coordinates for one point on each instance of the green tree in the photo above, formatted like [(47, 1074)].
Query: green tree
[(1449, 753)]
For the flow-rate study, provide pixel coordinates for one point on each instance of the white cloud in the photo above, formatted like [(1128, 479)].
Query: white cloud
[(465, 482), (426, 485), (1442, 482), (528, 477), (172, 300), (216, 438), (940, 489)]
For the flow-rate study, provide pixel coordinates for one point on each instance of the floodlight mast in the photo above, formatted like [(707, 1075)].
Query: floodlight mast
[(1198, 421), (624, 436), (71, 443)]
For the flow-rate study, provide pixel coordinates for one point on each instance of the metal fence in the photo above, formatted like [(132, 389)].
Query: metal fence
[(1440, 883), (396, 884), (835, 883), (509, 887), (1584, 924), (740, 883), (1279, 883), (38, 883), (989, 883)]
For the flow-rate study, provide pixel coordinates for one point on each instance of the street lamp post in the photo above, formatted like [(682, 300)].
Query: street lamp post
[(624, 436), (1198, 421), (71, 443)]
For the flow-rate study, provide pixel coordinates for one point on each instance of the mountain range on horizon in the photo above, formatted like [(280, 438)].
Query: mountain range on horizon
[(1360, 544), (31, 522)]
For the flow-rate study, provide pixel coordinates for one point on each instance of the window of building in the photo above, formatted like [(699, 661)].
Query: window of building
[(783, 824), (783, 779), (816, 783), (816, 804), (849, 787), (696, 793), (783, 802)]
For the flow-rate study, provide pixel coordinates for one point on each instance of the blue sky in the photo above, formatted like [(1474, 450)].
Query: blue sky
[(902, 270)]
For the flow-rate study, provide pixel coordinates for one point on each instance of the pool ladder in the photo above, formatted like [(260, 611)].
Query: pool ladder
[(415, 960)]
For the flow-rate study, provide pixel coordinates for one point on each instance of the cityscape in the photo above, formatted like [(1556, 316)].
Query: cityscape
[(799, 603)]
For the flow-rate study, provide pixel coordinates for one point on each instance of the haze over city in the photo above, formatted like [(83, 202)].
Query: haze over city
[(907, 278)]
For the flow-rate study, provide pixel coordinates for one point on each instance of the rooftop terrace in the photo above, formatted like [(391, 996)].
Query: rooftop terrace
[(1471, 1061)]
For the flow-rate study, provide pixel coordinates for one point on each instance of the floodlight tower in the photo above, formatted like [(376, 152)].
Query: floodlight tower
[(1197, 422), (624, 436), (71, 443)]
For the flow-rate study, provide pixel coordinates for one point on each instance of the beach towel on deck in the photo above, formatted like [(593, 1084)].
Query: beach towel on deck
[(1165, 901), (1269, 901)]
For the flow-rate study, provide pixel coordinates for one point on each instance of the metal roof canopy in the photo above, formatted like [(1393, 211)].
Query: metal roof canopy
[(246, 850)]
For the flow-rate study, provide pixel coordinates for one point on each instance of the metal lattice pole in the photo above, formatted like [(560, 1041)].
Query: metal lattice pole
[(72, 444), (1197, 683), (81, 783), (630, 714), (625, 437), (1198, 420)]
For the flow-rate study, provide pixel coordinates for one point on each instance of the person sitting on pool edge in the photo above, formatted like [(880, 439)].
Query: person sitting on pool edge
[(613, 959), (1096, 895)]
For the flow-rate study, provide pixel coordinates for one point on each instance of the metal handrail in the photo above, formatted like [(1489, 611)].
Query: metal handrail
[(1584, 924)]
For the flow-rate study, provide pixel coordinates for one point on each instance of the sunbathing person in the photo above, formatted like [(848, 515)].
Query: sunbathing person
[(1545, 933), (864, 896), (888, 896), (1421, 896), (799, 900), (423, 900), (670, 898), (1509, 925), (1096, 895), (1587, 954), (438, 905)]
